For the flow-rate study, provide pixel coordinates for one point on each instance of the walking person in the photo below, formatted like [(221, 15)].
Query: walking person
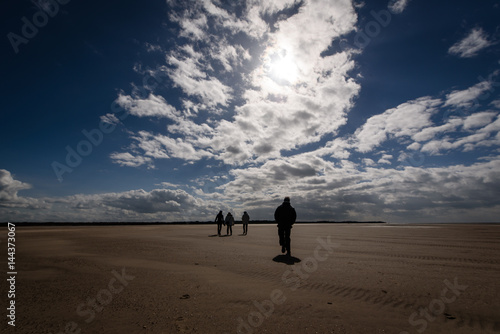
[(219, 220), (285, 216), (229, 223), (245, 219)]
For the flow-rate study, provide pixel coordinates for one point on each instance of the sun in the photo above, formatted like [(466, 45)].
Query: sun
[(281, 67)]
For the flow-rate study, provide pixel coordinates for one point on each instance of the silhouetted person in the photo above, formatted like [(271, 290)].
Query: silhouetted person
[(219, 220), (229, 223), (285, 216), (245, 219)]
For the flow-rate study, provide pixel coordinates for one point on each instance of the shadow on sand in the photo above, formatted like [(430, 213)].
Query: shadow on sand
[(286, 259)]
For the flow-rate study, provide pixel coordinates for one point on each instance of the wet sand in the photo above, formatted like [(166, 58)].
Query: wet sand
[(342, 278)]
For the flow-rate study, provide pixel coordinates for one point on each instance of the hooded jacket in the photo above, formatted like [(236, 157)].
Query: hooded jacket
[(285, 215)]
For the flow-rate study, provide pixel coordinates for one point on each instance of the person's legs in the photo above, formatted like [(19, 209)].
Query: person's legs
[(281, 234), (219, 227), (231, 229), (287, 240)]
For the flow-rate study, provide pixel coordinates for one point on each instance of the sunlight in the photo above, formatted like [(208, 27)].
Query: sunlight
[(284, 69), (280, 66)]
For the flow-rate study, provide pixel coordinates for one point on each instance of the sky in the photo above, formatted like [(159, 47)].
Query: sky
[(173, 110)]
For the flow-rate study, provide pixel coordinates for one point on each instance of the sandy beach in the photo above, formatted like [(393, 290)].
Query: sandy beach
[(342, 278)]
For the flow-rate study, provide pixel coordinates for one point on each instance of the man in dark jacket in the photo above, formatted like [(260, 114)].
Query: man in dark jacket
[(285, 216), (219, 220)]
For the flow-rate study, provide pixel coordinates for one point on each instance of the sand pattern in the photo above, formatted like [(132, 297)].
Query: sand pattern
[(181, 279)]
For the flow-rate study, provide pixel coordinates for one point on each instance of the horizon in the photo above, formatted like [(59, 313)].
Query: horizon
[(386, 110)]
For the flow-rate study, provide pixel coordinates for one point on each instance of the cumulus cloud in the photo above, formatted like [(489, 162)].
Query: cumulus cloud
[(152, 106), (398, 6), (467, 97), (10, 199), (479, 120), (471, 45), (169, 203), (291, 96), (262, 99), (484, 133), (9, 187), (405, 120), (347, 191), (129, 160)]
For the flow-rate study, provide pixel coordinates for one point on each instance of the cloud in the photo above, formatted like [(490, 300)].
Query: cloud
[(129, 160), (406, 119), (484, 133), (169, 203), (11, 203), (359, 192), (468, 97), (152, 106), (187, 71), (261, 99), (479, 120), (429, 133), (240, 103), (386, 159), (398, 6), (470, 46), (9, 187), (140, 201)]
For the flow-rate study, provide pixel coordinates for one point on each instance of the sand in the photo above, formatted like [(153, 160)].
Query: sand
[(342, 278)]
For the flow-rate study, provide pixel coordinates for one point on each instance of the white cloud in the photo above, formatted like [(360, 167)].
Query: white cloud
[(470, 46), (249, 106), (466, 98), (485, 133), (110, 119), (9, 187), (453, 193), (129, 160), (270, 115), (152, 106), (496, 104), (405, 120), (480, 119), (398, 6), (385, 159), (189, 70), (149, 146)]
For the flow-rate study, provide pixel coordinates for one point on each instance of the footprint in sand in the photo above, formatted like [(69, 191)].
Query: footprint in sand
[(449, 316), (180, 327)]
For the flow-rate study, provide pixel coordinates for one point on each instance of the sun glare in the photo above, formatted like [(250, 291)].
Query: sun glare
[(280, 66), (284, 69)]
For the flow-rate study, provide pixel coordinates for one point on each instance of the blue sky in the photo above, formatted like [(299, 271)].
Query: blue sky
[(173, 110)]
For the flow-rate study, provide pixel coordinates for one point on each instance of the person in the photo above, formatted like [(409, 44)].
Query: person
[(245, 219), (229, 223), (219, 220), (285, 216)]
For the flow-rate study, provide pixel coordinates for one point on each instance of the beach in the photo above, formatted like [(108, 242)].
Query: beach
[(341, 278)]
